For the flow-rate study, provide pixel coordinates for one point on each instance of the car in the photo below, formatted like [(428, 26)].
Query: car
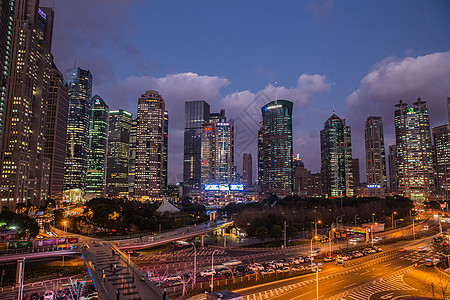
[(49, 295), (425, 227), (340, 260), (224, 271), (378, 249), (267, 271), (421, 249), (91, 296), (208, 272), (328, 259), (283, 270), (172, 277), (342, 257), (298, 268), (35, 296), (430, 262), (402, 249)]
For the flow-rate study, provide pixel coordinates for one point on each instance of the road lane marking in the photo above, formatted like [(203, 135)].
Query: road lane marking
[(364, 273), (349, 285), (398, 267), (302, 295), (338, 281), (384, 266)]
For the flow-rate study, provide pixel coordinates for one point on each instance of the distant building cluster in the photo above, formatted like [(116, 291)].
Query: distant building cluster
[(60, 142)]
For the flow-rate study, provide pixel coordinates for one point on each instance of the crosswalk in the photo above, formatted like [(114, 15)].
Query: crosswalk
[(395, 283)]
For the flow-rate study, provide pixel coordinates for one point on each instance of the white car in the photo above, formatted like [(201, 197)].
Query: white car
[(172, 277), (91, 296), (268, 271), (208, 272), (49, 295)]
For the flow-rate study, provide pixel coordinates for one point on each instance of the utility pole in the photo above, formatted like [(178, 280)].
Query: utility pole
[(284, 234)]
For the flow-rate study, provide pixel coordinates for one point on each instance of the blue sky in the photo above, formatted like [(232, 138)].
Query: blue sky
[(362, 55)]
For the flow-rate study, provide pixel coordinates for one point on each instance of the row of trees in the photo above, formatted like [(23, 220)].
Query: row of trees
[(26, 226), (266, 218)]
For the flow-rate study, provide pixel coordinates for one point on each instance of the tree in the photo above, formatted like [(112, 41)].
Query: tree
[(276, 231), (262, 233)]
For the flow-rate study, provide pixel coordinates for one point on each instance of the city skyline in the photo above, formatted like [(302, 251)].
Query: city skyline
[(339, 55)]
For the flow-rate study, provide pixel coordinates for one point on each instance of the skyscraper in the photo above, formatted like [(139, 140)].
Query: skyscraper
[(276, 148), (305, 183), (165, 150), (217, 151), (356, 177), (448, 108), (6, 36), (24, 168), (98, 147), (132, 159), (247, 170), (80, 90), (414, 151), (393, 179), (260, 162), (150, 146), (118, 153), (375, 152), (336, 158), (441, 136), (56, 131), (196, 114)]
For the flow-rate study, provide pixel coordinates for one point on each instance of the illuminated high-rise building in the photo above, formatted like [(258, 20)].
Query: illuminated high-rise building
[(24, 168), (165, 150), (132, 159), (196, 114), (448, 108), (260, 162), (393, 179), (98, 147), (276, 148), (77, 146), (414, 151), (217, 151), (150, 146), (375, 152), (336, 158), (56, 131), (247, 170), (6, 37), (118, 153), (441, 137)]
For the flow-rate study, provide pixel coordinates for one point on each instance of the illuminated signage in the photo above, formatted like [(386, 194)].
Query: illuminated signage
[(224, 187), (223, 124), (275, 106), (97, 101), (410, 109), (236, 187), (42, 14), (373, 186)]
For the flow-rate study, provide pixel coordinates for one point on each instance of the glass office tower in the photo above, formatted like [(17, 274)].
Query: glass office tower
[(441, 136), (77, 146), (276, 148), (375, 152), (336, 158), (98, 147)]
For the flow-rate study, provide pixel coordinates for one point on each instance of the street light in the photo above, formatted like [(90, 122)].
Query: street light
[(315, 226), (329, 242), (195, 265), (314, 237), (373, 226), (212, 268), (392, 218), (317, 269)]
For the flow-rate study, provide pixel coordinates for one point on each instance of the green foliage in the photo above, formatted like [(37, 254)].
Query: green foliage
[(25, 225)]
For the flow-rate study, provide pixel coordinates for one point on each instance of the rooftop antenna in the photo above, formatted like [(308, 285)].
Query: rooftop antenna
[(333, 107), (276, 92)]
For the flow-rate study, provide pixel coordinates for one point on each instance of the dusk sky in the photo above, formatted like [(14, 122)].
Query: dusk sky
[(362, 55)]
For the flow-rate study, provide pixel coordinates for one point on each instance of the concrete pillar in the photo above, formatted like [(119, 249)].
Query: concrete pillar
[(202, 244)]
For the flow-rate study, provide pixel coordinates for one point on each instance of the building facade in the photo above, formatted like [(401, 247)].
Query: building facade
[(393, 179), (56, 131), (277, 148), (356, 177), (441, 137), (165, 150), (132, 159), (414, 151), (79, 82), (6, 37), (336, 158), (98, 147), (306, 184), (217, 151), (118, 153), (150, 146), (196, 114), (375, 152), (24, 169), (247, 170)]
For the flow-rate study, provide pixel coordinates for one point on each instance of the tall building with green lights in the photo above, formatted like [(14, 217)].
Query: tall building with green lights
[(79, 82), (98, 147), (414, 163), (118, 153), (276, 148), (336, 158)]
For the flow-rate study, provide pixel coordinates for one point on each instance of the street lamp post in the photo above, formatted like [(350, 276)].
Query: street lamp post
[(373, 226), (317, 269), (212, 268), (65, 236), (315, 226), (195, 265), (392, 218), (314, 237)]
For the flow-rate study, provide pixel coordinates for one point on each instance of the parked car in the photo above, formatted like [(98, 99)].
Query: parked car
[(91, 296), (328, 259), (49, 295), (283, 270), (268, 271), (208, 272), (421, 249), (173, 277)]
